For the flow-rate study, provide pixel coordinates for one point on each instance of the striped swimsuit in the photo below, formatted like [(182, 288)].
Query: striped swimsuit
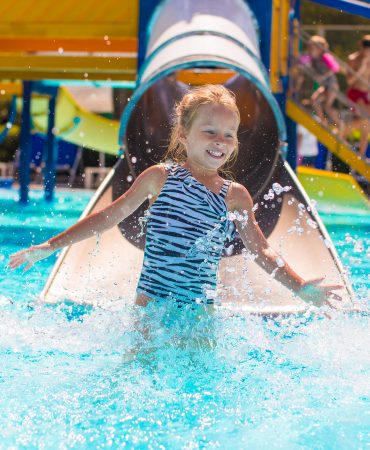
[(187, 228)]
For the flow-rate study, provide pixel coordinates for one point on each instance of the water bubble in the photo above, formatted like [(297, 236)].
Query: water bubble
[(129, 178), (349, 239), (229, 250), (60, 50), (8, 125), (255, 207), (313, 204), (270, 195), (134, 160), (278, 189), (311, 223), (359, 247), (327, 243), (280, 262)]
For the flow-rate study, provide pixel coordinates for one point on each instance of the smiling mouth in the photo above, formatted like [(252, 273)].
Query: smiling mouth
[(215, 154)]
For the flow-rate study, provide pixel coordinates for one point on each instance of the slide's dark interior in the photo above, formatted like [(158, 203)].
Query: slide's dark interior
[(258, 164)]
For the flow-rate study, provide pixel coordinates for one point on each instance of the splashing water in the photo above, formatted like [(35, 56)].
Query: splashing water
[(164, 377)]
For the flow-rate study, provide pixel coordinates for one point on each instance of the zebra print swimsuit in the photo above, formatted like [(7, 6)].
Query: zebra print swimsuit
[(187, 227)]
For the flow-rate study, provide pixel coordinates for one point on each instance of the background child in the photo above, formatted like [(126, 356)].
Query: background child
[(188, 220), (323, 68), (359, 89)]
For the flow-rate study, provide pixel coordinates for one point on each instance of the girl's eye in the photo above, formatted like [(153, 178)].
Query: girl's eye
[(210, 131)]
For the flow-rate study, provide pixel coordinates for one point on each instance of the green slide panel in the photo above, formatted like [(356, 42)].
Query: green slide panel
[(335, 192)]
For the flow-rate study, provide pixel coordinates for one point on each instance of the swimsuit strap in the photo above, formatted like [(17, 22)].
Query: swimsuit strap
[(170, 167), (225, 188)]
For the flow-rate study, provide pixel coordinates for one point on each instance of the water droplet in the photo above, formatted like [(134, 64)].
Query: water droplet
[(280, 262)]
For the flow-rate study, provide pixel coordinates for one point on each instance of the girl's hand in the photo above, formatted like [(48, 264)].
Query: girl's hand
[(30, 255), (317, 295)]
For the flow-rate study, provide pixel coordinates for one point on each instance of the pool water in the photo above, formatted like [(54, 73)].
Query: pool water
[(74, 377)]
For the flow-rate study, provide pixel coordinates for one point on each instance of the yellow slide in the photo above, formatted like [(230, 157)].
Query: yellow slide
[(335, 192), (75, 124), (336, 145)]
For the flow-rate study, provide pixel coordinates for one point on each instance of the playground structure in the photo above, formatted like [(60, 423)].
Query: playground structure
[(174, 45)]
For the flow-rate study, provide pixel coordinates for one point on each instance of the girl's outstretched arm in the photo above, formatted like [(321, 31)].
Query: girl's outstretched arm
[(147, 184), (240, 201)]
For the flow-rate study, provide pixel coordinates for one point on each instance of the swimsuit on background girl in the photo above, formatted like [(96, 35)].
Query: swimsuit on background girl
[(187, 228), (323, 65)]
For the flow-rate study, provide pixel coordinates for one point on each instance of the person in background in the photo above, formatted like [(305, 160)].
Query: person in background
[(307, 147), (359, 89), (322, 67)]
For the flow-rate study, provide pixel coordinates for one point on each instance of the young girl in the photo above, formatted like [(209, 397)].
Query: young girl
[(323, 67), (188, 220)]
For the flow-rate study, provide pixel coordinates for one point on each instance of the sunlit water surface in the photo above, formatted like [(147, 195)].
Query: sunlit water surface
[(74, 377)]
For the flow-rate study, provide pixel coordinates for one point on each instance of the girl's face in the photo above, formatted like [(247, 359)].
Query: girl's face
[(314, 50), (212, 137)]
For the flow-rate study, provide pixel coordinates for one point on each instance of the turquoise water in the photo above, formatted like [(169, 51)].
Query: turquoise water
[(68, 377)]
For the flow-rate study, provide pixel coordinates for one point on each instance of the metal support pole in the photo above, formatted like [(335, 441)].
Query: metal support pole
[(291, 128), (51, 153), (25, 143)]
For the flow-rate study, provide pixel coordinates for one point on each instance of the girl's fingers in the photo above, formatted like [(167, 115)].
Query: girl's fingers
[(316, 281), (330, 304), (27, 267), (333, 287), (15, 263), (335, 296)]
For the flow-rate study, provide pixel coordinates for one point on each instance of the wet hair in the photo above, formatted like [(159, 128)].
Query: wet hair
[(365, 41), (185, 112), (320, 42)]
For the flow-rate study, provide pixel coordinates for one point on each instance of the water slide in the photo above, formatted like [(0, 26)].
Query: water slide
[(204, 38), (333, 142), (338, 193), (75, 124)]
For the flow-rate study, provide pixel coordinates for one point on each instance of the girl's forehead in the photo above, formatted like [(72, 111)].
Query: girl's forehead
[(213, 113)]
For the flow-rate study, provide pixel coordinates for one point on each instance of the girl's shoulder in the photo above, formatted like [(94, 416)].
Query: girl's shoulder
[(238, 197), (154, 177), (156, 172)]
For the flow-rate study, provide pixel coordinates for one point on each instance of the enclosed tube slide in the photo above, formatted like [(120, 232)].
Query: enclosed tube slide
[(205, 37)]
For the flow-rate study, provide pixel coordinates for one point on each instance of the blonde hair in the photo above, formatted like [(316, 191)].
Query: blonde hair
[(320, 42), (185, 113)]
